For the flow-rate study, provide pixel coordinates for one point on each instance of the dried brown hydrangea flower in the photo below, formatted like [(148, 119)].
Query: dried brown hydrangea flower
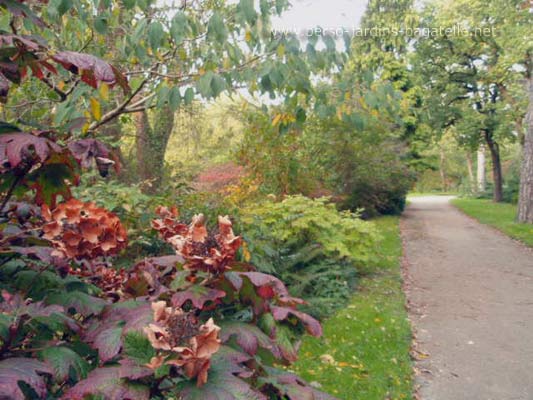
[(201, 249), (83, 230), (182, 341)]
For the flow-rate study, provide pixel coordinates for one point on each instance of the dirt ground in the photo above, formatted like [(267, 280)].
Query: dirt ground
[(470, 294)]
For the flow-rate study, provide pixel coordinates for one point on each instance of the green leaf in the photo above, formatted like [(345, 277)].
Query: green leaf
[(246, 7), (301, 115), (180, 280), (203, 85), (281, 5), (179, 27), (218, 85), (174, 98), (51, 180), (8, 128), (162, 95), (155, 35), (128, 4), (189, 96), (64, 362), (329, 42), (264, 6), (100, 24), (79, 301), (216, 28), (138, 347), (60, 6), (5, 323)]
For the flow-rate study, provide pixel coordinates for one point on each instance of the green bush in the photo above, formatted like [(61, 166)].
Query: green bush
[(378, 183), (311, 246)]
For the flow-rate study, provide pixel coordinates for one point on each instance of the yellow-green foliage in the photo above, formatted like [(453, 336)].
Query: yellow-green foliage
[(340, 234)]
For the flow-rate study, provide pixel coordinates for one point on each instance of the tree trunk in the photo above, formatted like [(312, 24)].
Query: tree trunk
[(442, 169), (143, 132), (497, 176), (470, 167), (481, 181), (151, 144), (525, 202)]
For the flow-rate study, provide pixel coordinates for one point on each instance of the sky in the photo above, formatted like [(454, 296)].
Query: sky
[(328, 14)]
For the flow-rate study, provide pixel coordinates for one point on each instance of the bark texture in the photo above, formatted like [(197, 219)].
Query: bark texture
[(497, 175), (151, 144), (525, 202), (481, 181)]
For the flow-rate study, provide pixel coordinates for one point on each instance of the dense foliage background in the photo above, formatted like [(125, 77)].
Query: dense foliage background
[(131, 129)]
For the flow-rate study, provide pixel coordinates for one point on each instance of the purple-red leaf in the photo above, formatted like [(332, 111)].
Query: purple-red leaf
[(224, 382), (19, 146), (248, 337), (41, 253), (292, 387), (268, 286), (260, 279), (198, 295), (85, 151), (91, 69), (108, 383), (12, 40), (131, 370), (311, 325), (107, 334), (108, 343), (27, 370)]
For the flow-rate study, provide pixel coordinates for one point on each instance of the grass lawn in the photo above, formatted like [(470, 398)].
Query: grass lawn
[(502, 216), (364, 353)]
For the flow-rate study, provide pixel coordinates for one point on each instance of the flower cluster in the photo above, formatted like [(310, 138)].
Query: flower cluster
[(202, 250), (83, 230), (182, 341)]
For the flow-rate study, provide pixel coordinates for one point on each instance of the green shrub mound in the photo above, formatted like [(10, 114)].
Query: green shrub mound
[(311, 246)]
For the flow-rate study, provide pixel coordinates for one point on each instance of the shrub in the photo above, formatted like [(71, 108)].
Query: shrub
[(311, 246), (378, 183), (196, 324)]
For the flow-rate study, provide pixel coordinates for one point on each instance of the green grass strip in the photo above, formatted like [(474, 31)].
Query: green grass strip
[(501, 216), (364, 353)]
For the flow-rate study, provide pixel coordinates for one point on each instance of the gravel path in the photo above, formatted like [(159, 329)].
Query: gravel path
[(470, 294)]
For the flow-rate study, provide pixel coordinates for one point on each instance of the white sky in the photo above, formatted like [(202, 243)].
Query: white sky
[(305, 14)]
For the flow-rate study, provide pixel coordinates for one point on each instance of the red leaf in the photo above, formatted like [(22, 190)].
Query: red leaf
[(311, 325), (36, 71), (266, 292), (14, 370)]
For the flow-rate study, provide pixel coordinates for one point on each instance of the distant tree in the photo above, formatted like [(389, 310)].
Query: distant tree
[(470, 72)]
